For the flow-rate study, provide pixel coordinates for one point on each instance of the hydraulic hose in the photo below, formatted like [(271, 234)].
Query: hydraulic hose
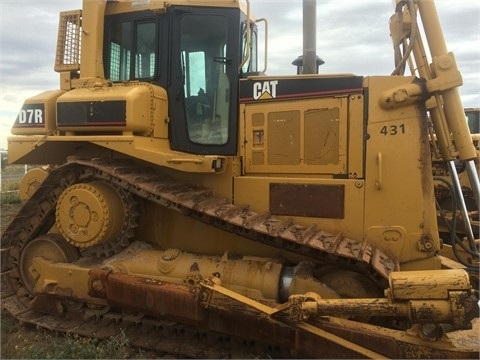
[(454, 239)]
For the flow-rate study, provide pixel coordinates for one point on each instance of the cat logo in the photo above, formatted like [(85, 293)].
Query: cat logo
[(265, 90)]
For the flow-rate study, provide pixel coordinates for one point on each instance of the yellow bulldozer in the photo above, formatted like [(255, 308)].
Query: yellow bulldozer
[(205, 208)]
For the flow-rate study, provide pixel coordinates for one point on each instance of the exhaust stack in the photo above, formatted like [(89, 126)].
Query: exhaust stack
[(309, 62), (309, 37)]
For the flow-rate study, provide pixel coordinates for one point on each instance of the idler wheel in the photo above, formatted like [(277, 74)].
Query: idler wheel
[(51, 247), (90, 213), (31, 181)]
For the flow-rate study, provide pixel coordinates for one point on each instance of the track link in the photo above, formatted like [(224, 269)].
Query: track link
[(199, 203), (36, 217)]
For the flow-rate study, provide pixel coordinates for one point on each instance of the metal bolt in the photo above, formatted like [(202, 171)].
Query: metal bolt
[(97, 285)]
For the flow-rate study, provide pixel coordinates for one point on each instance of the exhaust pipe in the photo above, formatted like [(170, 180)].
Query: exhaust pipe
[(309, 37)]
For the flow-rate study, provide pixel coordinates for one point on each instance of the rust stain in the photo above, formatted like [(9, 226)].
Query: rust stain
[(324, 201), (149, 296)]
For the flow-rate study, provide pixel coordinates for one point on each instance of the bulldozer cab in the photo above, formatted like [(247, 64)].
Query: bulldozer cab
[(192, 55)]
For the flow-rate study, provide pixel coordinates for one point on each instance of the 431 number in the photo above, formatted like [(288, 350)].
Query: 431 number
[(393, 129)]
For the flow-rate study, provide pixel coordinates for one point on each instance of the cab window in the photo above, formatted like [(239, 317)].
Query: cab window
[(206, 89), (131, 50)]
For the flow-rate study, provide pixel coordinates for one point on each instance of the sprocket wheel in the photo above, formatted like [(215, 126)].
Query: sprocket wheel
[(96, 218), (127, 232)]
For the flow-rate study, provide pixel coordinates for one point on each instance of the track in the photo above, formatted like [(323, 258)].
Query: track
[(212, 339)]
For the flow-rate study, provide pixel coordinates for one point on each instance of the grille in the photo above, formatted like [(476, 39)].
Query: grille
[(69, 41)]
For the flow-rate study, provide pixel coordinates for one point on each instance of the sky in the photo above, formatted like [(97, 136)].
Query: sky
[(352, 37)]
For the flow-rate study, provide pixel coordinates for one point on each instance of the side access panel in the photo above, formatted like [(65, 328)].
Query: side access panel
[(288, 131)]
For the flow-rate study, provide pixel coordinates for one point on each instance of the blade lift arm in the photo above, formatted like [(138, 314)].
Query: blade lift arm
[(429, 300), (438, 86)]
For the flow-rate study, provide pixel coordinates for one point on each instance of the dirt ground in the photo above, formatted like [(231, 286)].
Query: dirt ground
[(7, 211)]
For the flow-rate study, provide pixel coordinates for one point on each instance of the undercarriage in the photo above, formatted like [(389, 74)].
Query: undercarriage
[(69, 265)]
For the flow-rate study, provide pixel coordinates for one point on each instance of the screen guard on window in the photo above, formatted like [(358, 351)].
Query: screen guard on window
[(132, 50)]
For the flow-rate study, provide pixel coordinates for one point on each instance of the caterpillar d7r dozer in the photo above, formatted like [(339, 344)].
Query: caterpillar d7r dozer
[(188, 198)]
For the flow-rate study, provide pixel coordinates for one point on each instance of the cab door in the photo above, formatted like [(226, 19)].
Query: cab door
[(203, 81)]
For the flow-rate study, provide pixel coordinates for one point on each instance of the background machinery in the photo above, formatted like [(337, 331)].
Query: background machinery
[(450, 198), (189, 195)]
